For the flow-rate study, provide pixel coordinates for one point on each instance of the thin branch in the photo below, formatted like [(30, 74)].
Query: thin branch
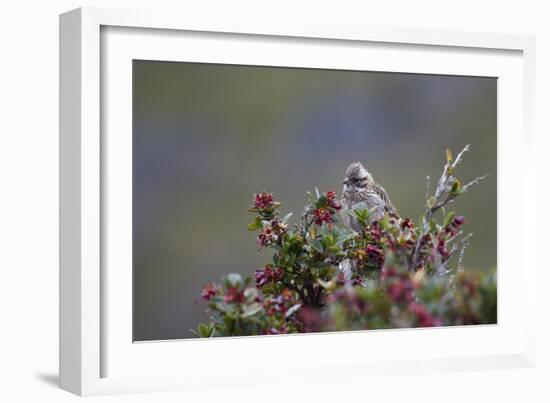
[(458, 158), (465, 244), (459, 245), (474, 182), (443, 195), (427, 187)]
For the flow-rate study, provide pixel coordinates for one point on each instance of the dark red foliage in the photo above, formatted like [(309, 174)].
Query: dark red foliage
[(454, 226), (387, 272), (375, 255), (407, 223), (322, 215), (459, 220), (280, 303), (265, 237), (425, 319), (310, 319), (401, 290), (332, 201), (234, 294), (442, 249), (208, 291), (263, 201), (267, 275), (375, 232)]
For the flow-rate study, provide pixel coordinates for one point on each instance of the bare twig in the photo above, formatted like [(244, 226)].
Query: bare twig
[(474, 182), (458, 158), (459, 245), (427, 186), (465, 243), (447, 189)]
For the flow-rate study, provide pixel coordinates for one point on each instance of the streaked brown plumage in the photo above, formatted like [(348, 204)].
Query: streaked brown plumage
[(361, 191)]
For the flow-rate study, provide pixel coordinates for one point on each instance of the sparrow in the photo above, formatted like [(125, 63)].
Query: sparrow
[(361, 191)]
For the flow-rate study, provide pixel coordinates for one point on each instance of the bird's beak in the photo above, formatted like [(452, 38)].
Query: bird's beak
[(345, 182)]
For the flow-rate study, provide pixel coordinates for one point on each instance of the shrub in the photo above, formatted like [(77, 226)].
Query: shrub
[(324, 276)]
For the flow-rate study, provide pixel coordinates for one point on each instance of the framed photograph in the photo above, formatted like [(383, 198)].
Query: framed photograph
[(240, 191)]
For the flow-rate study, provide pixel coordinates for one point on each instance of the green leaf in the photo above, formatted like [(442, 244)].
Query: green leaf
[(450, 215), (327, 270), (296, 245), (251, 294), (251, 310), (317, 245), (269, 289), (431, 202), (313, 232), (204, 330), (327, 285), (449, 155), (233, 280), (389, 259), (291, 259), (456, 186), (321, 202), (384, 222), (255, 225), (222, 307), (362, 212)]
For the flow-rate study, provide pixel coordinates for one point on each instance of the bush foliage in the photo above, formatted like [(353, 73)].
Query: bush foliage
[(324, 276)]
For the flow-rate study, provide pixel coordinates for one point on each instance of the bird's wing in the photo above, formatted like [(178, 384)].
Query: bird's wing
[(390, 208)]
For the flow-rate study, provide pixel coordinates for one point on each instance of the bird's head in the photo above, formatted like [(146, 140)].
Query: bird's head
[(357, 177)]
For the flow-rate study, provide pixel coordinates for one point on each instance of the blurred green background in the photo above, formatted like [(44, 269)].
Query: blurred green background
[(206, 137)]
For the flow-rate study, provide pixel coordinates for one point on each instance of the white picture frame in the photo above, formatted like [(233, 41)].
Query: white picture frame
[(97, 355)]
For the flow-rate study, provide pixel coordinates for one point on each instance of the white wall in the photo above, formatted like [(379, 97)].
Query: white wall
[(28, 199)]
